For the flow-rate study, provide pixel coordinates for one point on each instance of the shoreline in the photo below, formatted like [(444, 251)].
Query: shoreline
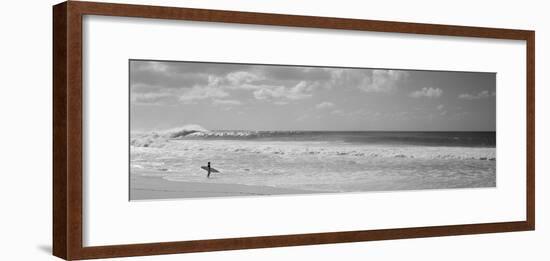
[(151, 188)]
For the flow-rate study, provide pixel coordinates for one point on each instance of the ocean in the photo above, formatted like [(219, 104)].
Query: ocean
[(319, 161)]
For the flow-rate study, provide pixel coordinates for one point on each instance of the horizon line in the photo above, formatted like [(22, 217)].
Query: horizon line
[(288, 130)]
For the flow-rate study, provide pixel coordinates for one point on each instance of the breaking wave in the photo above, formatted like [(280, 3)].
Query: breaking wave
[(332, 161), (431, 139), (312, 150), (160, 138)]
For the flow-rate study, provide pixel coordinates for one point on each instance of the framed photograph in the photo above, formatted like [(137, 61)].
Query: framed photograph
[(187, 130)]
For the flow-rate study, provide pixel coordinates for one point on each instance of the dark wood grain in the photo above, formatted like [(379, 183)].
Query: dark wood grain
[(297, 240), (74, 129), (59, 246), (205, 15), (531, 130), (67, 129)]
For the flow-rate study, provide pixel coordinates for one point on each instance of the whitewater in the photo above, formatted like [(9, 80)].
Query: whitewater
[(316, 160)]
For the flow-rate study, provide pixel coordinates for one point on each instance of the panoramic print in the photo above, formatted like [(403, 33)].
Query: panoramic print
[(201, 129)]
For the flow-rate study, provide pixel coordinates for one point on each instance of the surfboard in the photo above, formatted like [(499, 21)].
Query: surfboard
[(213, 170)]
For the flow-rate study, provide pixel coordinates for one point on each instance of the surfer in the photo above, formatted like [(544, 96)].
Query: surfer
[(209, 169)]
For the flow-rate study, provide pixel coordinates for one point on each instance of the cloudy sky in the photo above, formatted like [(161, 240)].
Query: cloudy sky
[(266, 97)]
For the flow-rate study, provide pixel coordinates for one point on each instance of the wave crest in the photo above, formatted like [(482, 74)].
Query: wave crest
[(184, 131), (159, 138)]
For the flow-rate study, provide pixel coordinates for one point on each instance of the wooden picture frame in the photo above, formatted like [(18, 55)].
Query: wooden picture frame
[(68, 117)]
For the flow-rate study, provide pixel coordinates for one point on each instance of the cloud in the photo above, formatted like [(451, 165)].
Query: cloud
[(441, 109), (364, 114), (189, 82), (149, 66), (151, 98), (368, 80), (175, 68), (337, 112), (201, 93), (226, 102), (324, 105), (269, 92), (383, 80), (302, 90), (292, 73), (145, 88), (302, 117), (476, 96), (241, 77), (428, 92), (163, 75)]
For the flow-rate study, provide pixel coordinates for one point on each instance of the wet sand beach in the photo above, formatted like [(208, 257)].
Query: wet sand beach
[(151, 187)]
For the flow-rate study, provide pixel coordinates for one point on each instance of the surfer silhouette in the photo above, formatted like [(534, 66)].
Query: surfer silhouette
[(209, 169)]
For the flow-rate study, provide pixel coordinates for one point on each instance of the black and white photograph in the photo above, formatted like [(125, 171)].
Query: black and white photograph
[(203, 129)]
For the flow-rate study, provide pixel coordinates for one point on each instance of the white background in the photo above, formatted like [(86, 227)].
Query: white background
[(109, 218), (26, 130)]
